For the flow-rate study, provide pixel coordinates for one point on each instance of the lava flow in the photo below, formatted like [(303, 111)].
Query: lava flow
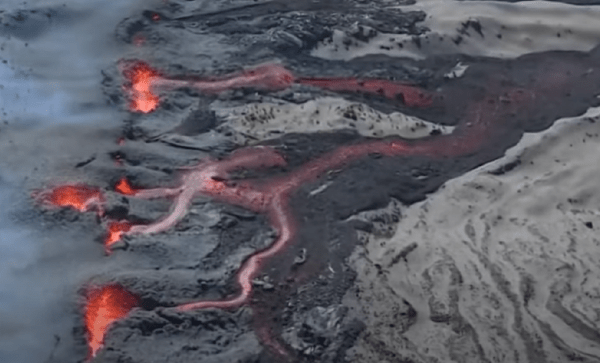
[(104, 306), (145, 82), (481, 121), (79, 196), (394, 90), (210, 177), (271, 198)]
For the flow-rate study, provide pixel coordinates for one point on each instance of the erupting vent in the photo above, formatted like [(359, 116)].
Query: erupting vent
[(124, 187), (141, 77), (80, 197), (115, 231), (104, 306)]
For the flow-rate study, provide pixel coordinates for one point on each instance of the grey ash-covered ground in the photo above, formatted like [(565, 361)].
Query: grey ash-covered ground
[(301, 299)]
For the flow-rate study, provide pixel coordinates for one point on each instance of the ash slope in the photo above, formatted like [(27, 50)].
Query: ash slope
[(500, 265)]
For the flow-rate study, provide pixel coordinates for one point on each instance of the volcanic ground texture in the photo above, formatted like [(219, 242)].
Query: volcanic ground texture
[(230, 243)]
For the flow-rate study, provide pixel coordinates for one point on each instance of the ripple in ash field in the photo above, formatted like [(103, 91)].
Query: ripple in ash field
[(500, 265)]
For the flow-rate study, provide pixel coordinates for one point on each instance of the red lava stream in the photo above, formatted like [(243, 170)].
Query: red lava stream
[(272, 199), (211, 177)]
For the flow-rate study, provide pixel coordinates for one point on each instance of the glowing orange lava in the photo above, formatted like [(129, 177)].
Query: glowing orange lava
[(105, 305), (115, 231), (80, 197), (141, 77), (124, 187), (272, 76)]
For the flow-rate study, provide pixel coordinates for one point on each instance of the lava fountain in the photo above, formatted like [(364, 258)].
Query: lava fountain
[(144, 82), (104, 306)]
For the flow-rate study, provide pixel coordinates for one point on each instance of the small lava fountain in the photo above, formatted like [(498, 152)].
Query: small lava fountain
[(142, 79), (116, 229), (104, 306)]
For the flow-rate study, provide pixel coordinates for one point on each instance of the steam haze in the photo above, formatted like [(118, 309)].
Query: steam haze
[(51, 108)]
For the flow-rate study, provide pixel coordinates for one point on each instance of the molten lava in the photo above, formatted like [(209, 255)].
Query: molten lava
[(268, 77), (124, 187), (211, 178), (141, 78), (409, 95), (104, 306), (272, 198), (80, 197), (115, 231)]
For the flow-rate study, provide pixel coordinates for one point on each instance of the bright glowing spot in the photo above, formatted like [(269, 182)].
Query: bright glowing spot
[(80, 197), (105, 305), (124, 187), (141, 76), (115, 231), (213, 185)]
